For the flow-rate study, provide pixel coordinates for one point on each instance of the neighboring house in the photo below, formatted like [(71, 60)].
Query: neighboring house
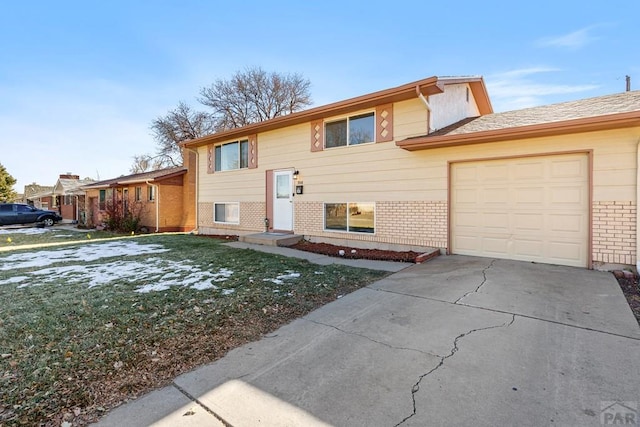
[(40, 196), (429, 164), (164, 199), (70, 197)]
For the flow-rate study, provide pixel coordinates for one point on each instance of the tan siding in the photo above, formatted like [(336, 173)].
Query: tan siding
[(409, 119)]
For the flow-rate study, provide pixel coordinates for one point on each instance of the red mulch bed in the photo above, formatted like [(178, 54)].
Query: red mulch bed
[(629, 285), (355, 253)]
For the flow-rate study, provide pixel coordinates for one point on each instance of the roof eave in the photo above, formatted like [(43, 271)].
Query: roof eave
[(589, 124), (428, 86)]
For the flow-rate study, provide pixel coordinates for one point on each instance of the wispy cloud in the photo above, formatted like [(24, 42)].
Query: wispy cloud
[(574, 40), (523, 88)]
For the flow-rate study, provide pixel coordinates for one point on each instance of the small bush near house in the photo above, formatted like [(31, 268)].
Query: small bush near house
[(123, 218)]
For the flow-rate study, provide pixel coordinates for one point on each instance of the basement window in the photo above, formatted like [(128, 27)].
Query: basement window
[(226, 213), (350, 217)]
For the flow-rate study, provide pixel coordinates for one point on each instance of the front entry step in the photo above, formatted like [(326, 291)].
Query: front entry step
[(271, 239)]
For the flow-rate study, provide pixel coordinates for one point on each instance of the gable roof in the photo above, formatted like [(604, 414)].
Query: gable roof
[(428, 86), (37, 190), (605, 112), (152, 176), (69, 186)]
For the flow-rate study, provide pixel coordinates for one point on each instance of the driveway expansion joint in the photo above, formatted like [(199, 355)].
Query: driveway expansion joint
[(454, 349), (372, 340), (199, 403), (484, 280)]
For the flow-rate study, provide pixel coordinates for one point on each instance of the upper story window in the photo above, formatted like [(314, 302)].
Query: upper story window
[(231, 156), (352, 130)]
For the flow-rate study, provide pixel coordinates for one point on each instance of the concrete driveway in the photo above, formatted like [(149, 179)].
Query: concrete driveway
[(456, 341)]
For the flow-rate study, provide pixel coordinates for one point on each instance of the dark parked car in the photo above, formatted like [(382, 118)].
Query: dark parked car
[(18, 213)]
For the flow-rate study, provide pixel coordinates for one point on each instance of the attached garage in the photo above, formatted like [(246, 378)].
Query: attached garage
[(533, 208)]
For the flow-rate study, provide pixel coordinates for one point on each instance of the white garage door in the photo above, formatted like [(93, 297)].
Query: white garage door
[(529, 209)]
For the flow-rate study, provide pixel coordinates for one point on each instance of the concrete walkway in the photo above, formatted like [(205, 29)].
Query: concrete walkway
[(455, 341)]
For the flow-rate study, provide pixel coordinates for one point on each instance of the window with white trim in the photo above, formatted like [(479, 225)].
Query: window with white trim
[(232, 156), (138, 194), (226, 213), (352, 130), (350, 217), (151, 193)]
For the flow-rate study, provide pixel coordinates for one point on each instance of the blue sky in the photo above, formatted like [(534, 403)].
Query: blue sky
[(81, 81)]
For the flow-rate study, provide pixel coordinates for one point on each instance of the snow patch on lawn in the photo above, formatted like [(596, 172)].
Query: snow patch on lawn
[(86, 253), (29, 231), (153, 270), (281, 278)]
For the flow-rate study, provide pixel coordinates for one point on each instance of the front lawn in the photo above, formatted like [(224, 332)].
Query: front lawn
[(85, 326)]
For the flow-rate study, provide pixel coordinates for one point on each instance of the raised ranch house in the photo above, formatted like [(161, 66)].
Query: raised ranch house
[(163, 199), (428, 164)]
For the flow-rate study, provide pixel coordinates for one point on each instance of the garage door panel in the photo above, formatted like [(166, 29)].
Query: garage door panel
[(565, 252), (566, 223), (496, 246), (567, 194), (529, 195), (494, 221), (567, 168), (495, 195), (493, 173), (528, 222), (528, 171), (528, 248), (534, 209)]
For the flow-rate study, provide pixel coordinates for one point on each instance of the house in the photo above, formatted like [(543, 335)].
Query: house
[(69, 197), (163, 199), (40, 196), (428, 164)]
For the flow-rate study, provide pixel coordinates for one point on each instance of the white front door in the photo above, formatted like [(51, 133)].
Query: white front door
[(283, 200)]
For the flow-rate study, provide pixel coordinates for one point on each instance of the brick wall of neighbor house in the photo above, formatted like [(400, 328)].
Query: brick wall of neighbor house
[(68, 212), (170, 199), (614, 232), (189, 193), (252, 216), (412, 223)]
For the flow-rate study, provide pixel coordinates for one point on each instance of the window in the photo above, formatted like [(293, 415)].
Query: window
[(350, 131), (138, 194), (226, 212), (351, 217), (68, 200), (231, 156), (151, 193), (102, 200)]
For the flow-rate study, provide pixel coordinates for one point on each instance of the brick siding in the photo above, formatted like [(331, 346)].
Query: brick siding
[(415, 223), (252, 216), (614, 232)]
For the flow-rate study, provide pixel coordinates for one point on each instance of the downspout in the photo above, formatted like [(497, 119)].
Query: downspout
[(195, 230), (157, 204), (429, 110)]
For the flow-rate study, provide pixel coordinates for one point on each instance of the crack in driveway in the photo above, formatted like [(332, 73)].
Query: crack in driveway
[(484, 280), (454, 349), (372, 340)]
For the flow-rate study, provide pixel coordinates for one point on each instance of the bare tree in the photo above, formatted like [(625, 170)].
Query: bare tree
[(179, 124), (145, 163), (254, 95), (250, 96)]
